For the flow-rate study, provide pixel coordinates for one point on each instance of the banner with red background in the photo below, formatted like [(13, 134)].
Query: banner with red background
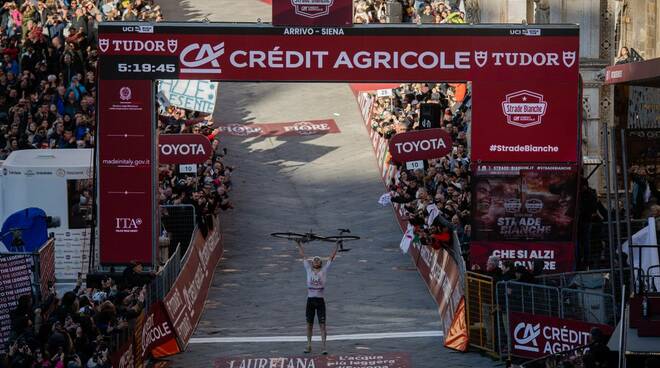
[(185, 301), (125, 171), (313, 12), (534, 336)]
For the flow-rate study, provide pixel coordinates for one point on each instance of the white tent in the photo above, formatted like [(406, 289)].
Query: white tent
[(57, 181)]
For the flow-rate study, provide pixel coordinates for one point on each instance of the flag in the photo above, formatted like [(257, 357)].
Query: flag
[(433, 211), (457, 336), (407, 239), (649, 256), (385, 199)]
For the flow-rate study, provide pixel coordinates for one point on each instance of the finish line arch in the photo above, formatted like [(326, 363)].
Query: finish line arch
[(525, 92)]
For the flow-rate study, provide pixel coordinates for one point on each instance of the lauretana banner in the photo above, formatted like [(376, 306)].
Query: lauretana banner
[(534, 336), (524, 202), (556, 256), (125, 171)]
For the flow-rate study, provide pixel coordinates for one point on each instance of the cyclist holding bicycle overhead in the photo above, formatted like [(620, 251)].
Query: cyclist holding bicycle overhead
[(316, 278)]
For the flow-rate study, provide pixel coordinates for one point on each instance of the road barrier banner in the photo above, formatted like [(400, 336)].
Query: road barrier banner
[(158, 337), (290, 129), (534, 336), (185, 301), (381, 360)]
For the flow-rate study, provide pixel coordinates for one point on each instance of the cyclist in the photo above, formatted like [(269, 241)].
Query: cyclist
[(316, 278)]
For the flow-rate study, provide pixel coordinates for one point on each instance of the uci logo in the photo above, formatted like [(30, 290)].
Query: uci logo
[(529, 334), (202, 59)]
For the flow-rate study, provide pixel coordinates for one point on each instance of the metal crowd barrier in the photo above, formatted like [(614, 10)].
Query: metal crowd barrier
[(481, 311)]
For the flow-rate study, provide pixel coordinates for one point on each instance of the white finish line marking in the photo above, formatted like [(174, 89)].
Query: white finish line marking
[(365, 336)]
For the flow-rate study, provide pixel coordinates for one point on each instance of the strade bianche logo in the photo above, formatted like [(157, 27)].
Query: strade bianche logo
[(524, 108), (528, 337), (201, 58), (312, 8)]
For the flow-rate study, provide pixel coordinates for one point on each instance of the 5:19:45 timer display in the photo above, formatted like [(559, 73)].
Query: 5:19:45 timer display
[(146, 68)]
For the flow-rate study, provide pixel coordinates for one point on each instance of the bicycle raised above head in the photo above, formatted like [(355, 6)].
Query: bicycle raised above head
[(310, 236)]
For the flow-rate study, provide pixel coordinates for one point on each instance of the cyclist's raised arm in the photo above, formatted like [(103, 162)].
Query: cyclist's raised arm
[(334, 253), (301, 250)]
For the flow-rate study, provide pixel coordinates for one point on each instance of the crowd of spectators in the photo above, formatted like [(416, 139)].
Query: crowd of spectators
[(411, 11), (48, 76), (207, 190), (78, 328), (437, 198)]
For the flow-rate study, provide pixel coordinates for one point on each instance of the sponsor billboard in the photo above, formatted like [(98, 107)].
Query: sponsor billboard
[(556, 256), (420, 145), (313, 12), (185, 301), (15, 281), (183, 149), (290, 129), (158, 336), (534, 336), (125, 171), (524, 202), (379, 360)]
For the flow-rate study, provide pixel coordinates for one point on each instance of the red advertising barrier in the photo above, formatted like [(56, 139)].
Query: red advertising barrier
[(185, 301), (380, 360), (420, 145), (183, 149), (291, 129), (534, 336), (125, 171), (46, 266), (312, 12), (438, 269), (158, 336)]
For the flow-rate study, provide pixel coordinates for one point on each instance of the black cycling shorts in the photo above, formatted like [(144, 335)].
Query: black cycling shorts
[(315, 305)]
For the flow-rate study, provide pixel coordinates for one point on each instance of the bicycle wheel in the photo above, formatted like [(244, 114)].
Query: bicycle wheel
[(290, 236), (342, 238)]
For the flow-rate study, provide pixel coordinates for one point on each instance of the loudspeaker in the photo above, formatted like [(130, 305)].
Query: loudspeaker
[(429, 115), (394, 11)]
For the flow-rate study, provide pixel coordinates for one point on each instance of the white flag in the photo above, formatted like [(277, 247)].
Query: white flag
[(385, 199), (407, 239), (433, 211), (649, 256)]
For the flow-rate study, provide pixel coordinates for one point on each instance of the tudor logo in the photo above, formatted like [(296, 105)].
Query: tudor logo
[(524, 108), (480, 58), (528, 337), (312, 8), (172, 45), (568, 57), (104, 43), (127, 224), (205, 59)]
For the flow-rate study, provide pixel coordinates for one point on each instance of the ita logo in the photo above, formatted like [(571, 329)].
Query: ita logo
[(524, 108)]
